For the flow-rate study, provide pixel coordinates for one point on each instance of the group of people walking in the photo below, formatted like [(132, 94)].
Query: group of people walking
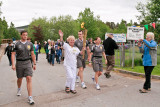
[(73, 58), (53, 50)]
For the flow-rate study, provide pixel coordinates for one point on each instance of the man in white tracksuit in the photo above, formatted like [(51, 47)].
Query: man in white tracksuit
[(70, 62)]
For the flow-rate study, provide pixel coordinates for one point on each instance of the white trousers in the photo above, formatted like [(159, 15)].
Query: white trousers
[(71, 77)]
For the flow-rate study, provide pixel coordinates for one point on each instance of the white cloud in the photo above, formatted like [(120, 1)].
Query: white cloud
[(21, 12)]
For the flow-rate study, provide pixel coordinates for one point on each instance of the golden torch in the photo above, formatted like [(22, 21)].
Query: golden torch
[(84, 38)]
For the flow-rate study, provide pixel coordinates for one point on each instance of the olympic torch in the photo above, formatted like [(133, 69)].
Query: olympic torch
[(84, 38)]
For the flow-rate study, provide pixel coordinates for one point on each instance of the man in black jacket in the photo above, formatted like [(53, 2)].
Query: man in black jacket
[(9, 49), (109, 46)]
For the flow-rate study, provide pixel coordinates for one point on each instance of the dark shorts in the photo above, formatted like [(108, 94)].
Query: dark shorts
[(23, 69), (97, 64), (80, 62)]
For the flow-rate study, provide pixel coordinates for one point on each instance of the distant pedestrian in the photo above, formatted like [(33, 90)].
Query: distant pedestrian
[(36, 50), (39, 47), (149, 50), (8, 50), (109, 46), (52, 53), (58, 55)]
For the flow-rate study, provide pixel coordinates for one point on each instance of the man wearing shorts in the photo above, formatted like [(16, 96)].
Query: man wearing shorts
[(24, 52), (80, 61)]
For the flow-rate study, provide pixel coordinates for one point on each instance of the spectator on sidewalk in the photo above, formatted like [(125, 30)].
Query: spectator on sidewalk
[(149, 50)]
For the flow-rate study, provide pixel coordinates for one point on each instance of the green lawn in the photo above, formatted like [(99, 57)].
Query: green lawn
[(140, 69), (42, 50)]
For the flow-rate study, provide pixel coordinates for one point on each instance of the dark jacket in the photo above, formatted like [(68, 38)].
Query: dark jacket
[(109, 46), (8, 49), (52, 50)]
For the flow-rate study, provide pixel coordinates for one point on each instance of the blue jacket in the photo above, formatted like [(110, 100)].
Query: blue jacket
[(58, 52), (149, 50), (36, 48)]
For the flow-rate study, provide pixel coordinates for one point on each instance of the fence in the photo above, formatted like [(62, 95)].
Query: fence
[(129, 55)]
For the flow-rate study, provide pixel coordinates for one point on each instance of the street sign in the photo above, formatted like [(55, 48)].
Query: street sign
[(118, 37), (135, 33)]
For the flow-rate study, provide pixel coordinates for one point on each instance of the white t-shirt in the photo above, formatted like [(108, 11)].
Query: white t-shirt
[(70, 54)]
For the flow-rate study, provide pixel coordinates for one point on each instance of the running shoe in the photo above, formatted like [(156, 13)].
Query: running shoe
[(18, 92), (97, 87), (83, 85), (31, 101)]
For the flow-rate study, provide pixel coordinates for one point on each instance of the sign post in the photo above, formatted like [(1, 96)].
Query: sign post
[(134, 33)]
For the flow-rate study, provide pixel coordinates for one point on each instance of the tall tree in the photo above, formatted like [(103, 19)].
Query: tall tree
[(150, 13), (38, 35), (1, 25), (1, 30), (12, 32), (87, 16), (5, 25)]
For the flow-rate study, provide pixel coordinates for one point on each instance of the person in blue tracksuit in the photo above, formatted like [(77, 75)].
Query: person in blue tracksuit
[(149, 50), (58, 55)]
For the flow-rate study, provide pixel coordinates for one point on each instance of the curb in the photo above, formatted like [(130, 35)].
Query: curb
[(135, 73)]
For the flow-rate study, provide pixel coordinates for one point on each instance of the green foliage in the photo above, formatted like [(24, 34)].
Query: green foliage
[(38, 33), (0, 7), (121, 28), (150, 13), (12, 32), (87, 16), (137, 62), (93, 24), (1, 30), (5, 25), (44, 25), (66, 24)]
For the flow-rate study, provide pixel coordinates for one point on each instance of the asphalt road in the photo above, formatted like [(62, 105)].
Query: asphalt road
[(48, 89)]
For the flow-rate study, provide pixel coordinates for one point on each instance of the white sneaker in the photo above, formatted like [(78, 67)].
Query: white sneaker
[(18, 92), (77, 80), (97, 87), (31, 101), (83, 85)]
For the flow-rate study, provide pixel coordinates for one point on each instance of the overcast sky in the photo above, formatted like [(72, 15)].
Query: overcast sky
[(21, 12)]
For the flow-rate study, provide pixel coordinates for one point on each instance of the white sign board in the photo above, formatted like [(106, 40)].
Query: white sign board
[(118, 37), (135, 33)]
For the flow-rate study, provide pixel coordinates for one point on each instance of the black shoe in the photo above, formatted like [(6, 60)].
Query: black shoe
[(107, 75)]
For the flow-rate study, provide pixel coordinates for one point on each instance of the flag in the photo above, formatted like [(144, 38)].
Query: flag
[(154, 25), (146, 26)]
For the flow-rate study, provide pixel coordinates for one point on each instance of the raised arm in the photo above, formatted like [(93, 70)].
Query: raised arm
[(61, 35)]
